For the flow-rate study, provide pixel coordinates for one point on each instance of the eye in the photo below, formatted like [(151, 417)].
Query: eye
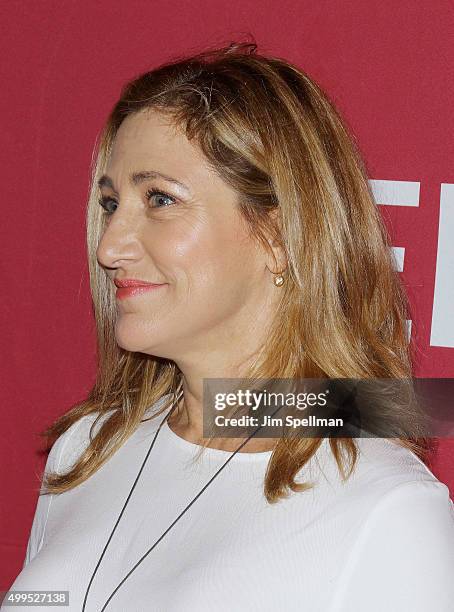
[(160, 196), (110, 205), (107, 203)]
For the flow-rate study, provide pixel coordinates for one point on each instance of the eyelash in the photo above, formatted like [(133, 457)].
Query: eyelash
[(104, 200)]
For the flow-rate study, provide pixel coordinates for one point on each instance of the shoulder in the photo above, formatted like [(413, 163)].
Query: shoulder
[(411, 496), (69, 445), (403, 555), (403, 535), (63, 452), (388, 482), (381, 466)]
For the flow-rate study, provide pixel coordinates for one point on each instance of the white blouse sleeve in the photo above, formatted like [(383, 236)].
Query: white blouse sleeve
[(38, 528), (403, 558)]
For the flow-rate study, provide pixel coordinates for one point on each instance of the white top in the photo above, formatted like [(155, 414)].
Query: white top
[(384, 540)]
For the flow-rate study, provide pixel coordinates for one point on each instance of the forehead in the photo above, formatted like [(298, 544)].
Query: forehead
[(150, 140)]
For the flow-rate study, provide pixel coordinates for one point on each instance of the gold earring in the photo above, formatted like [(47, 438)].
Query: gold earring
[(278, 280)]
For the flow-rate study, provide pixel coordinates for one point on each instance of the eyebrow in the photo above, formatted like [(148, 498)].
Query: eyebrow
[(136, 178)]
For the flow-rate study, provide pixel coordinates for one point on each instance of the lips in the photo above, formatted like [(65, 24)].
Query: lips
[(130, 287), (132, 282)]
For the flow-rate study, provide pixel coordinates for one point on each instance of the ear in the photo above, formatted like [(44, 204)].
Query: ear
[(276, 257), (276, 261)]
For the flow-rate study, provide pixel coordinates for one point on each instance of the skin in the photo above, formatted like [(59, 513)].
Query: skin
[(212, 315)]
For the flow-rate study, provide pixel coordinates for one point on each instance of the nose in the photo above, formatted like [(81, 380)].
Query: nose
[(120, 242)]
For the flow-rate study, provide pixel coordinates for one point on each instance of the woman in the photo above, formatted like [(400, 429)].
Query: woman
[(232, 234)]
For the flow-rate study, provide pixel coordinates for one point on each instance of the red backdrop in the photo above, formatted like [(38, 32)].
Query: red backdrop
[(387, 66)]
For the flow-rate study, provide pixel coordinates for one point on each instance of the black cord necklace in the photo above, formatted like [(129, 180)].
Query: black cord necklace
[(168, 528)]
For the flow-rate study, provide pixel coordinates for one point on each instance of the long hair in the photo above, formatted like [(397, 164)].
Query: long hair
[(273, 135)]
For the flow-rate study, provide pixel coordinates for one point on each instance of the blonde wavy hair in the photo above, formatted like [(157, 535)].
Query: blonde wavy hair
[(273, 135)]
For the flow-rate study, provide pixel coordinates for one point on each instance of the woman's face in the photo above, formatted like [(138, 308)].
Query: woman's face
[(215, 288)]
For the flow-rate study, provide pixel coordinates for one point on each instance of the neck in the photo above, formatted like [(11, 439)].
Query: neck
[(230, 354), (186, 422)]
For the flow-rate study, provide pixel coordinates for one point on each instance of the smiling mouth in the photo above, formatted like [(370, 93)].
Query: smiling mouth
[(132, 282), (136, 289)]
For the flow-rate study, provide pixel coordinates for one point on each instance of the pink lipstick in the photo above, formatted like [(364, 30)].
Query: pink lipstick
[(128, 287)]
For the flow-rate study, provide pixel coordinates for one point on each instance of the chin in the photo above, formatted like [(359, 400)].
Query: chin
[(137, 339), (132, 337)]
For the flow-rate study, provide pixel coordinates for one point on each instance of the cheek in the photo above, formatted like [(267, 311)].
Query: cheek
[(216, 273), (203, 260)]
